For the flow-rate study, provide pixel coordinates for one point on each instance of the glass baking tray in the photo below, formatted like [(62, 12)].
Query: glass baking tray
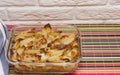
[(47, 67)]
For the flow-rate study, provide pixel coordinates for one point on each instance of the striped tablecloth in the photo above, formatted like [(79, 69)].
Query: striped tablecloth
[(100, 46)]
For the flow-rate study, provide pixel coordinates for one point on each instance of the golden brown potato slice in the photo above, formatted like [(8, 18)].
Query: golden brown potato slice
[(26, 42), (53, 43), (19, 58), (47, 26), (43, 57), (73, 54), (31, 58), (14, 56), (23, 35), (67, 39), (32, 51), (38, 35), (16, 45), (20, 51), (40, 43), (74, 44), (46, 30), (55, 58), (53, 35), (55, 52)]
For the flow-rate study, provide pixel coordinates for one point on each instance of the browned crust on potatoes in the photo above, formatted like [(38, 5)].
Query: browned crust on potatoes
[(45, 46)]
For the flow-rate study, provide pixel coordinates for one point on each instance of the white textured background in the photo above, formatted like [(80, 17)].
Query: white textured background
[(60, 11)]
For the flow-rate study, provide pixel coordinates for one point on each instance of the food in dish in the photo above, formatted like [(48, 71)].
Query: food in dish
[(47, 45)]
